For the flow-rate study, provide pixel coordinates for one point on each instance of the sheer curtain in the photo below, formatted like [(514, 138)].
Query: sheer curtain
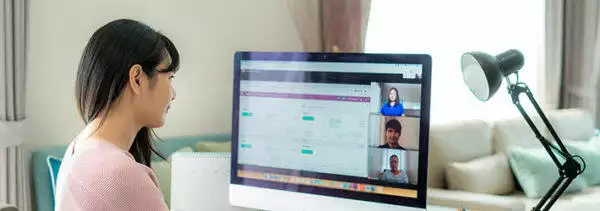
[(581, 59), (446, 30), (14, 180), (331, 25)]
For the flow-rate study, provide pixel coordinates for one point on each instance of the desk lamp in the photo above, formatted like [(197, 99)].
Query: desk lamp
[(483, 74)]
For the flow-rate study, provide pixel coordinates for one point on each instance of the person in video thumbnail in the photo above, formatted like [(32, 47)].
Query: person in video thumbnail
[(393, 131), (393, 107), (395, 175)]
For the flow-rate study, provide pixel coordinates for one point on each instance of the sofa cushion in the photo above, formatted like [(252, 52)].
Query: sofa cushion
[(53, 168), (214, 146), (473, 201), (584, 200), (561, 204), (590, 152), (169, 145), (536, 172), (516, 132), (572, 124), (41, 177), (569, 124), (456, 142), (490, 175)]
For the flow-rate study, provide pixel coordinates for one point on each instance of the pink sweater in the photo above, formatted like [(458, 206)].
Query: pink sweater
[(96, 175)]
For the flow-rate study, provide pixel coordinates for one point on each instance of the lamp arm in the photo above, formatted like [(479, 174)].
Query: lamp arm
[(568, 170), (515, 91)]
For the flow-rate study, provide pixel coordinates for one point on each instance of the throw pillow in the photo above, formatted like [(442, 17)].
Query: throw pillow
[(53, 168), (162, 170), (489, 175), (591, 155), (214, 146), (536, 172)]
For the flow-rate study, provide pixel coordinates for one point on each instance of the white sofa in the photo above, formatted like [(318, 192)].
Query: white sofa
[(473, 139)]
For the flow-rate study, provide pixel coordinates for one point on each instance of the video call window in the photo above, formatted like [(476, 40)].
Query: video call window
[(394, 132), (378, 122)]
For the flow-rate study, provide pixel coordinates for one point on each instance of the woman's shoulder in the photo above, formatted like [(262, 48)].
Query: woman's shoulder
[(111, 174), (107, 156), (104, 161)]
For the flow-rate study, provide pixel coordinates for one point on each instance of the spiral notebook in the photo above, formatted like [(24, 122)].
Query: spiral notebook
[(200, 181)]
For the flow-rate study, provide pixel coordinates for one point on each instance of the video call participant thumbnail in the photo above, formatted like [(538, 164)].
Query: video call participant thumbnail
[(394, 174), (393, 131), (392, 107)]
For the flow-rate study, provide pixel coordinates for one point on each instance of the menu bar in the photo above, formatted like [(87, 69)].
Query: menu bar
[(366, 188), (407, 69)]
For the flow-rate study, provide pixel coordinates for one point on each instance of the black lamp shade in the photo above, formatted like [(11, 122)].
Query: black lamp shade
[(483, 73)]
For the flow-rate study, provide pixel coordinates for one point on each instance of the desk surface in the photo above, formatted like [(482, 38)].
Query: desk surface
[(201, 182)]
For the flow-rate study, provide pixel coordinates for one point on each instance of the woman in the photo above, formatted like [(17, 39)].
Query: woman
[(393, 107), (395, 175), (123, 90)]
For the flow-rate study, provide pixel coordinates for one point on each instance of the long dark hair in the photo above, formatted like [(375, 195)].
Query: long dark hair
[(397, 96), (104, 71)]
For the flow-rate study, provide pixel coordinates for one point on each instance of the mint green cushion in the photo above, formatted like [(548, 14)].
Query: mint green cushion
[(590, 152), (214, 146), (536, 172)]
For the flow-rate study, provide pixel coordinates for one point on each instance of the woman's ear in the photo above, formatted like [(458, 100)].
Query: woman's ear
[(136, 78)]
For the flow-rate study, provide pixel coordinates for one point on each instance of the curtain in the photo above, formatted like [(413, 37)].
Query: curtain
[(550, 73), (331, 25), (344, 25), (581, 56), (14, 181), (306, 15), (12, 60)]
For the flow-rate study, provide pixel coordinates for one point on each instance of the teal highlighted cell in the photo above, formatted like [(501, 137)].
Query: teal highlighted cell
[(246, 146), (308, 118), (248, 114), (307, 151)]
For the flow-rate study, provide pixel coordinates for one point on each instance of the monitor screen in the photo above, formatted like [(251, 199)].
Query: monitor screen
[(343, 125)]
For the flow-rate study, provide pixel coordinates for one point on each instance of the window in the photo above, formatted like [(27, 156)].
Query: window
[(446, 30)]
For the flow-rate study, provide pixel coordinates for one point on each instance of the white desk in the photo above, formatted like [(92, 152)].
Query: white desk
[(201, 182)]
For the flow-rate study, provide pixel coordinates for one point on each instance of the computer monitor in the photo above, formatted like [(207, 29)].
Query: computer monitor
[(330, 131)]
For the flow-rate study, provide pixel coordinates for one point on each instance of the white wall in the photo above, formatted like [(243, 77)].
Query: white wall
[(207, 33)]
